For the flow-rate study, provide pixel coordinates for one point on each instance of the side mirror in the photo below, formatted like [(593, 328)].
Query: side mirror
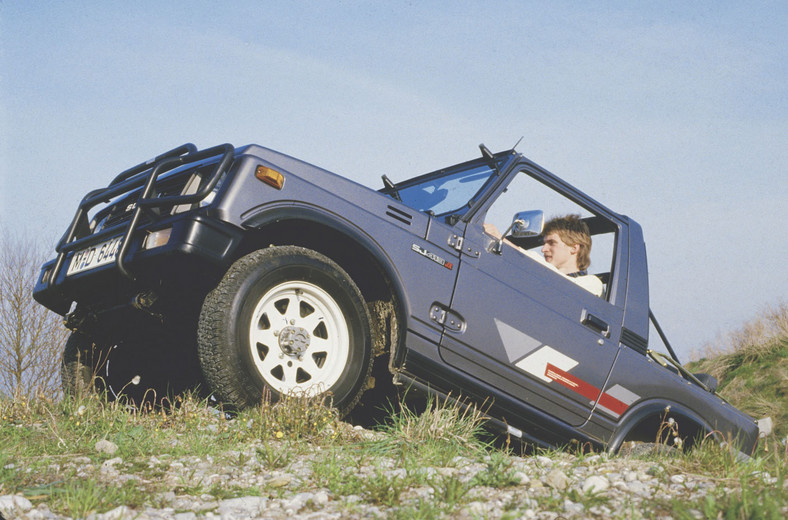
[(524, 224), (527, 224)]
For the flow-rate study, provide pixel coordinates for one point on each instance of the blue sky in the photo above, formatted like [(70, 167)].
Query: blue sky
[(674, 113)]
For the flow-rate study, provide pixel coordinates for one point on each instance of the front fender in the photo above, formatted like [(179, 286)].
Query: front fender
[(320, 218)]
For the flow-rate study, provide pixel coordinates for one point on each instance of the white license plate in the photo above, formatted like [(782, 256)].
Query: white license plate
[(95, 256)]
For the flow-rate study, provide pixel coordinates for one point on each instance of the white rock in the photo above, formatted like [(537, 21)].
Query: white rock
[(544, 461), (399, 473), (447, 472), (556, 480), (298, 501), (595, 484), (572, 507), (320, 498), (620, 484), (639, 488), (118, 513), (11, 503), (476, 509), (105, 446), (242, 506), (521, 478)]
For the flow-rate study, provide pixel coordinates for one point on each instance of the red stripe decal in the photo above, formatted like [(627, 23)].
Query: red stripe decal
[(587, 390), (614, 405)]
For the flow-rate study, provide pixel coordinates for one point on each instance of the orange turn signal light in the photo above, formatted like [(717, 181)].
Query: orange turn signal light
[(270, 177)]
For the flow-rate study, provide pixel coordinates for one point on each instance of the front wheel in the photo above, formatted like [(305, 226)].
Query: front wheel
[(287, 320)]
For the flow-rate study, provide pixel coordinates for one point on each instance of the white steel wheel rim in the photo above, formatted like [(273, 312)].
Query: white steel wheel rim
[(299, 339)]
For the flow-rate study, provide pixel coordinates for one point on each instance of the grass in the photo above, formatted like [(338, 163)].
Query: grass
[(751, 364), (428, 465), (435, 463)]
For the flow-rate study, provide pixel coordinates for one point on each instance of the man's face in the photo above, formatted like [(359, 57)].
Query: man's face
[(562, 256)]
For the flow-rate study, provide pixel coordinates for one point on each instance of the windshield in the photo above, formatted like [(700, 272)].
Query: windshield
[(444, 193)]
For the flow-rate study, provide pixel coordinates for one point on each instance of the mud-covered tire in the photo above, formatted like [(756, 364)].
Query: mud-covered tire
[(285, 320)]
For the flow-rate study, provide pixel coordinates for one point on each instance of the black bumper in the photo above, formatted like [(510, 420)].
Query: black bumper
[(197, 243)]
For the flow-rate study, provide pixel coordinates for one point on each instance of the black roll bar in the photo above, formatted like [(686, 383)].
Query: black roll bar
[(663, 337), (144, 174), (145, 202)]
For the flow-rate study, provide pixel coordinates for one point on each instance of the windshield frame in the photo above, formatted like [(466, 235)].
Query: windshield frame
[(464, 172)]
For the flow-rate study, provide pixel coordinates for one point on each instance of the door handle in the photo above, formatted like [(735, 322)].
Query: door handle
[(595, 323)]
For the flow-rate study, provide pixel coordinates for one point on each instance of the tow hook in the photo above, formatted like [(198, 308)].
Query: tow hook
[(79, 320), (145, 301)]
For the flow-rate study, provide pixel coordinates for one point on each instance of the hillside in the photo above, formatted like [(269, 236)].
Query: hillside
[(751, 364), (295, 460), (86, 458)]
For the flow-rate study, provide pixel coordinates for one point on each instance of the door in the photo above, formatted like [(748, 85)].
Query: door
[(530, 331)]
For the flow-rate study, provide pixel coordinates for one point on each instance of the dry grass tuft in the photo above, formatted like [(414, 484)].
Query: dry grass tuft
[(751, 364), (755, 339)]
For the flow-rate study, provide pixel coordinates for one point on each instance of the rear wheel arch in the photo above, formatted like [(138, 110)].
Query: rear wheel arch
[(656, 421)]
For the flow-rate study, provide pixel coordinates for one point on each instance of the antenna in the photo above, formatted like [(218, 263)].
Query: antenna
[(518, 142)]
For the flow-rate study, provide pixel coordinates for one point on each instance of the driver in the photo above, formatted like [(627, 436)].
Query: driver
[(567, 247), (566, 250)]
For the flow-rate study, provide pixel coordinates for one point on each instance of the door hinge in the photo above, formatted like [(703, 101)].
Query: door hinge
[(446, 317), (458, 243)]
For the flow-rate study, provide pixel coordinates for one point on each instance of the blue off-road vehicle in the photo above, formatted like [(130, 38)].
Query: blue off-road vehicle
[(249, 272)]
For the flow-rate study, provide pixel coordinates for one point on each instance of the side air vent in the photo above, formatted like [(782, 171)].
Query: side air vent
[(400, 215), (634, 341)]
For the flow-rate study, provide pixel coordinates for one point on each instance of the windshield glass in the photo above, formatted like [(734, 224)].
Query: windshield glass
[(445, 194)]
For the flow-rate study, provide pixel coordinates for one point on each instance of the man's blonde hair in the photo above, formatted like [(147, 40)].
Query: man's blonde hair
[(572, 231)]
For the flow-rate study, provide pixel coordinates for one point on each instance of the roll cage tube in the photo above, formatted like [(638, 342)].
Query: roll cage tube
[(146, 203), (673, 360), (662, 336)]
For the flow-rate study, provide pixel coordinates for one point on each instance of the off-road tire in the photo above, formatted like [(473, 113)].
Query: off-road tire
[(285, 320)]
